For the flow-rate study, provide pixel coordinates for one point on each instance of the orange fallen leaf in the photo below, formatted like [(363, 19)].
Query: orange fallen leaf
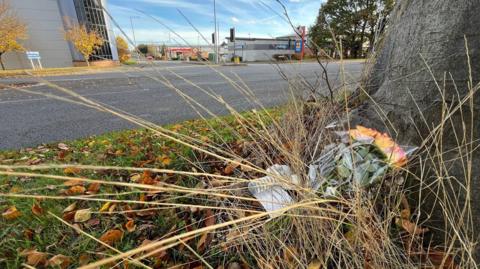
[(165, 160), (11, 213), (71, 170), (76, 190), (84, 259), (130, 225), (411, 227), (230, 168), (35, 258), (69, 216), (147, 178), (94, 187), (73, 182), (111, 236), (59, 261), (37, 210)]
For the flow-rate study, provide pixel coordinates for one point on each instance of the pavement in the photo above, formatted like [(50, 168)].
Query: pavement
[(30, 118)]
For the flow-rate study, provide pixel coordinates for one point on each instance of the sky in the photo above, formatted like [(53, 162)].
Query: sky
[(251, 18)]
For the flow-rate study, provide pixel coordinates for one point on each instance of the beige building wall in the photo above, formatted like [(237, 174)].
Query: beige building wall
[(45, 26)]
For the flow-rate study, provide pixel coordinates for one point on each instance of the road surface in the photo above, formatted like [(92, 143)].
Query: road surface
[(30, 119)]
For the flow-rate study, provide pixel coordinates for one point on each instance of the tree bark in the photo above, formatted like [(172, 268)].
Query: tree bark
[(1, 61), (426, 40)]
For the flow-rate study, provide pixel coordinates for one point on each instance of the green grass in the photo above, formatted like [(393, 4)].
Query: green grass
[(131, 148)]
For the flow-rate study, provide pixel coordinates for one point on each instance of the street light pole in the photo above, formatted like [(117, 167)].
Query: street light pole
[(216, 34), (133, 33)]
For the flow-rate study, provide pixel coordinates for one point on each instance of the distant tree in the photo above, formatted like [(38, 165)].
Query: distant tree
[(352, 21), (143, 48), (86, 42), (12, 29), (122, 48)]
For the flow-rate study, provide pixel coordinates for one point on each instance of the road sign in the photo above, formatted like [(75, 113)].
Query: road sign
[(298, 46), (33, 55)]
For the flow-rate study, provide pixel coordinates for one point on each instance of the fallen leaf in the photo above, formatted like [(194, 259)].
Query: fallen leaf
[(59, 261), (71, 170), (73, 182), (147, 178), (315, 264), (37, 210), (230, 168), (441, 260), (201, 242), (28, 234), (165, 160), (83, 215), (11, 213), (62, 146), (76, 190), (70, 207), (105, 207), (410, 227), (135, 177), (69, 216), (94, 188), (130, 225), (84, 259), (35, 258), (209, 218), (111, 236)]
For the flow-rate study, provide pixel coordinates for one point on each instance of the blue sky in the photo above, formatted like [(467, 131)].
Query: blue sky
[(249, 17)]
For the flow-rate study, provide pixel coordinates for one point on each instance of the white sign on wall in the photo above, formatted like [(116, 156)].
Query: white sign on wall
[(34, 55)]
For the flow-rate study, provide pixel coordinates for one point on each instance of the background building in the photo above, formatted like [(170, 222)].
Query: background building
[(261, 49), (46, 21)]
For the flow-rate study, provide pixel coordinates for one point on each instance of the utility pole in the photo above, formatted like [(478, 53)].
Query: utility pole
[(216, 34), (133, 33)]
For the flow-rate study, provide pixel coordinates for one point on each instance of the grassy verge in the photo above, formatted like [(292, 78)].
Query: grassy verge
[(35, 230), (54, 71)]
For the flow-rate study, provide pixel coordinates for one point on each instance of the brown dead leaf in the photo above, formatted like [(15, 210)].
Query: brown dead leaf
[(71, 170), (209, 218), (35, 258), (59, 261), (93, 188), (147, 178), (411, 227), (111, 236), (84, 259), (442, 260), (83, 215), (202, 242), (130, 225), (135, 177), (11, 213), (69, 216), (230, 168), (73, 182), (37, 210), (28, 234), (76, 190)]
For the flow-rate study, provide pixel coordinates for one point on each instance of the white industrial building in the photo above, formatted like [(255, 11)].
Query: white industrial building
[(261, 49), (46, 21)]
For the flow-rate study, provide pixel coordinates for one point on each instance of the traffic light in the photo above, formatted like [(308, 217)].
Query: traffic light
[(232, 34), (213, 38)]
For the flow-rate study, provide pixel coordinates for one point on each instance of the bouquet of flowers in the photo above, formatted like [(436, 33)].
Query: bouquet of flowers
[(360, 159)]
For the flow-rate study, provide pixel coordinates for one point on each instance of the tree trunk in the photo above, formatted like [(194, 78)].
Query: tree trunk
[(426, 39), (1, 61)]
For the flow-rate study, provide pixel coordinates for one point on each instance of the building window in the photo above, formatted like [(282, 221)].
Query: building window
[(90, 13)]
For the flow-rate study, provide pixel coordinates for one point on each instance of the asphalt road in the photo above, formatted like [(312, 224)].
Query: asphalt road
[(30, 119)]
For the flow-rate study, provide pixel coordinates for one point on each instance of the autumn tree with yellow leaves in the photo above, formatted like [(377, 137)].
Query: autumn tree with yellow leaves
[(12, 29), (122, 48), (85, 41)]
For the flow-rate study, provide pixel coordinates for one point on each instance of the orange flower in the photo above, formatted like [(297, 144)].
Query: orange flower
[(396, 156)]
